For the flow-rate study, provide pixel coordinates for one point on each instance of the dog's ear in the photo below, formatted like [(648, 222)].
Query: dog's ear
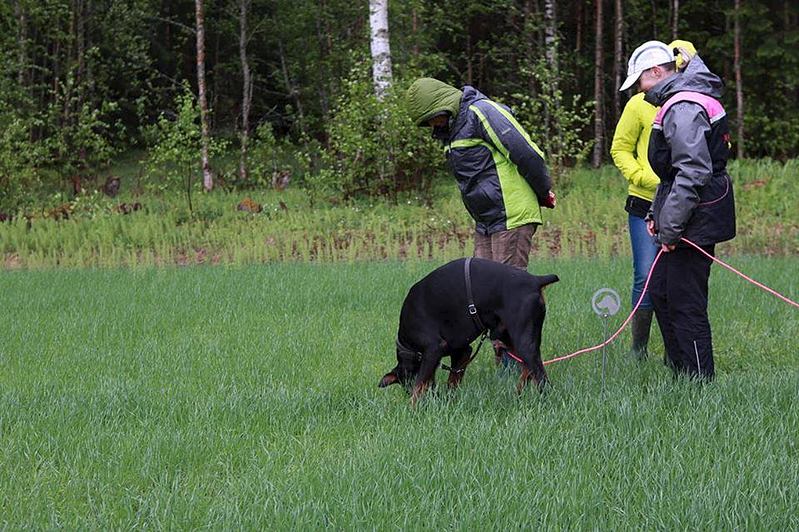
[(388, 379)]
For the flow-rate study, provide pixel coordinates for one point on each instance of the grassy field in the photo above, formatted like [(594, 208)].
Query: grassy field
[(245, 397), (293, 225)]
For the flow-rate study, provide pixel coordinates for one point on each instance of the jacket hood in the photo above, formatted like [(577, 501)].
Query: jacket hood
[(470, 95), (695, 78), (428, 97)]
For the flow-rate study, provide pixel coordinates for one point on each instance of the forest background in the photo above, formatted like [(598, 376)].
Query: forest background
[(245, 94)]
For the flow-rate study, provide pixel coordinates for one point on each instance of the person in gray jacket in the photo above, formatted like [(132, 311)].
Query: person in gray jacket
[(693, 205)]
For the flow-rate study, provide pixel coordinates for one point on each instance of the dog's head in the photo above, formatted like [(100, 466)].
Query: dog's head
[(408, 363)]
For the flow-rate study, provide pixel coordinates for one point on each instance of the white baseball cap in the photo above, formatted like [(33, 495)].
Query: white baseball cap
[(646, 56)]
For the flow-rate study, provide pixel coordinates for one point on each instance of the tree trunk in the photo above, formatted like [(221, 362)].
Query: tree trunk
[(293, 91), (469, 80), (578, 37), (618, 59), (739, 91), (381, 51), (415, 30), (208, 180), (655, 17), (551, 53), (530, 43), (599, 93), (246, 96), (22, 42), (81, 83), (324, 53), (675, 21)]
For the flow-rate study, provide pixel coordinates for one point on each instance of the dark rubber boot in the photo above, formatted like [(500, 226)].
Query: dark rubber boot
[(642, 323)]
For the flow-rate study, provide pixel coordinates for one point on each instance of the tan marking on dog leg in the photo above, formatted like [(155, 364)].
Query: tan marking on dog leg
[(454, 379), (523, 379), (418, 391)]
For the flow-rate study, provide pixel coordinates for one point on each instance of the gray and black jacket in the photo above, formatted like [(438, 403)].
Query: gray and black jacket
[(688, 150)]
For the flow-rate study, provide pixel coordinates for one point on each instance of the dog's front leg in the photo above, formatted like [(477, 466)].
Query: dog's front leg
[(424, 378), (460, 359)]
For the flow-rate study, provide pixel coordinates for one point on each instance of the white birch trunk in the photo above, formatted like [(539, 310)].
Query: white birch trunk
[(381, 52), (552, 110), (599, 91), (246, 96), (208, 180)]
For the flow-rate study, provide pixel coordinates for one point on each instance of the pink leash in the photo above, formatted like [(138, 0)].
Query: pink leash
[(643, 292)]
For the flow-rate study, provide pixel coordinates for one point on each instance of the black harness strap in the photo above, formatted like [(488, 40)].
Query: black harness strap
[(467, 267)]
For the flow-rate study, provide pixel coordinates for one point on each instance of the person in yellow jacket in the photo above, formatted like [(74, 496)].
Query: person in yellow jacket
[(629, 152)]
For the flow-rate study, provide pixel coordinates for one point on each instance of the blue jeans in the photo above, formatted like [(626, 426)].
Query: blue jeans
[(644, 251)]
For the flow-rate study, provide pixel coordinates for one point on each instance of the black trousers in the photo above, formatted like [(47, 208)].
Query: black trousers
[(679, 291)]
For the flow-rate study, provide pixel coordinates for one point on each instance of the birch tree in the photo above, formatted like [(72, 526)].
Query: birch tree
[(675, 20), (381, 52), (599, 93), (208, 180), (551, 54), (246, 96)]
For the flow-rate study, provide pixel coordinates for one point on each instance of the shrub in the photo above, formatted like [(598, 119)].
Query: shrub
[(374, 149), (174, 157)]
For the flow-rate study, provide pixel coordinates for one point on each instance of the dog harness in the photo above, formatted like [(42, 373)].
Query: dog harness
[(407, 352), (472, 310), (467, 267)]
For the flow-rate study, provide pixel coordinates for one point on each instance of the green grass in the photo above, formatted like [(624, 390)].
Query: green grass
[(588, 221), (245, 397)]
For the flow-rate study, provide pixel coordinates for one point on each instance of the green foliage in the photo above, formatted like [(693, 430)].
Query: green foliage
[(19, 180), (374, 149), (84, 143), (563, 135), (174, 156), (271, 158)]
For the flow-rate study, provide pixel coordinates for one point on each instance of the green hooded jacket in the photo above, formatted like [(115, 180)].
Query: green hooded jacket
[(500, 171)]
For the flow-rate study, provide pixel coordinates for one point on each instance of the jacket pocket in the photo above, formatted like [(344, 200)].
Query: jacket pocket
[(713, 219)]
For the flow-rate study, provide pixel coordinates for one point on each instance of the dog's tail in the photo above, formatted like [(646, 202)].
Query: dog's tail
[(544, 280)]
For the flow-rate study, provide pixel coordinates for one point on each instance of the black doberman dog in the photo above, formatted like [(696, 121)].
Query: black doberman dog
[(438, 319)]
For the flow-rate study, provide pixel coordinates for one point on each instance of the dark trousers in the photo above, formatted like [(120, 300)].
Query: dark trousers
[(679, 290)]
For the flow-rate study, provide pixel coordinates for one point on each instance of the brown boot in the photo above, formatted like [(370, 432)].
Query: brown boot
[(642, 322)]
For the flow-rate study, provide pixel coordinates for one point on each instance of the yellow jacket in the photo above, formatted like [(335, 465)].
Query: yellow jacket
[(630, 144)]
